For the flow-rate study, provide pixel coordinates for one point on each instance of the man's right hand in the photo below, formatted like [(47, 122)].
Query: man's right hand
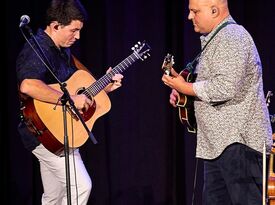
[(174, 98), (82, 102)]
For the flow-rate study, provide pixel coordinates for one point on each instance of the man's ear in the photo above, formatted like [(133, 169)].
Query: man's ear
[(55, 25), (215, 11)]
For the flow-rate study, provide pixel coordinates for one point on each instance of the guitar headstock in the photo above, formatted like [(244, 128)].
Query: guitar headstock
[(168, 64), (141, 50)]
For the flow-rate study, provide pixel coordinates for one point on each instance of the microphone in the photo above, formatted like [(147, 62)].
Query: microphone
[(24, 20)]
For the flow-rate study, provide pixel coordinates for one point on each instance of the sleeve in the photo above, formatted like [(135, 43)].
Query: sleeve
[(29, 66)]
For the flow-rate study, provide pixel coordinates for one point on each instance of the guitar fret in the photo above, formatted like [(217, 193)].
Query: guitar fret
[(129, 61), (121, 69), (125, 63), (136, 55), (132, 58), (121, 66), (92, 93), (87, 93)]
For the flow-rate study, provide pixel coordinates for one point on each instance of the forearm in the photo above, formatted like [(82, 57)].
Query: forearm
[(39, 90), (186, 88)]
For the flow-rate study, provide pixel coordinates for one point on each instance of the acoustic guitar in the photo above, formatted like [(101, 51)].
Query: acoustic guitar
[(45, 120), (184, 103)]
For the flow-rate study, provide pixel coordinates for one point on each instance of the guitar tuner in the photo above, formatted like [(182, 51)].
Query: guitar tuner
[(168, 63), (141, 50)]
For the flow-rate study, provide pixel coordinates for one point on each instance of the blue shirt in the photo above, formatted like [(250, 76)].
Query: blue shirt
[(30, 66)]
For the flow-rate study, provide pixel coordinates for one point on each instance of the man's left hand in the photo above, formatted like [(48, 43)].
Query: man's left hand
[(117, 78)]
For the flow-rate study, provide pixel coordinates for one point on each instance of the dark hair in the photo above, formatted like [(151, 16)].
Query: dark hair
[(65, 11)]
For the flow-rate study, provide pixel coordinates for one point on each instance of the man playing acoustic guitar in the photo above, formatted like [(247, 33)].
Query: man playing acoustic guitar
[(64, 22), (231, 114)]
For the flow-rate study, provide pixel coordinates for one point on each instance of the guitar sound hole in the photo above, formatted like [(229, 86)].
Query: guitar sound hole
[(81, 91), (88, 113)]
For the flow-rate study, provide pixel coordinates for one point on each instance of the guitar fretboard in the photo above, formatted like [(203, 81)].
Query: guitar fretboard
[(100, 84)]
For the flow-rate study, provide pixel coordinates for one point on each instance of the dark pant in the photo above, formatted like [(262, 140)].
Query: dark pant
[(234, 178)]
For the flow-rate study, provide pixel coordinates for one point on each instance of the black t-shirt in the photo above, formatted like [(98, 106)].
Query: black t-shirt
[(30, 66)]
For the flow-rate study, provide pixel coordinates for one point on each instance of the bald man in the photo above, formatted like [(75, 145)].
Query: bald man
[(231, 114)]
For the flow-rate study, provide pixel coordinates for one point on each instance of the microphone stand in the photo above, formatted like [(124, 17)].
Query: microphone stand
[(64, 99)]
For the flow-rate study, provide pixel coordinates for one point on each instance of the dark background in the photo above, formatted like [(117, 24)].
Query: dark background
[(145, 156)]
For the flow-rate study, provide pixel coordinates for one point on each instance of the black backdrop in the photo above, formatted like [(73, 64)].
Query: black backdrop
[(144, 156)]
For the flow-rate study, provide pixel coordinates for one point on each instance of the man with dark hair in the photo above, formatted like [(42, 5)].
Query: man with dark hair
[(63, 25), (231, 114)]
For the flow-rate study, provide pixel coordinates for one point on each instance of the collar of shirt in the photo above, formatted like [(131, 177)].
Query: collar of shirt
[(64, 52), (205, 38)]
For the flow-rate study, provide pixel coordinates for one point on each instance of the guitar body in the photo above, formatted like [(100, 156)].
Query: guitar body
[(46, 119), (185, 105)]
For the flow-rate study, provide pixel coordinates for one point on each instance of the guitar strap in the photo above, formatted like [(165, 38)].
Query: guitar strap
[(189, 66)]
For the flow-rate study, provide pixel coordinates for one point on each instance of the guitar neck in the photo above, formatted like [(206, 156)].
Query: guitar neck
[(101, 83)]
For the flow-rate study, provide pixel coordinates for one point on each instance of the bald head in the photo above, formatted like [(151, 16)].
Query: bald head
[(207, 14), (215, 1), (219, 4)]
